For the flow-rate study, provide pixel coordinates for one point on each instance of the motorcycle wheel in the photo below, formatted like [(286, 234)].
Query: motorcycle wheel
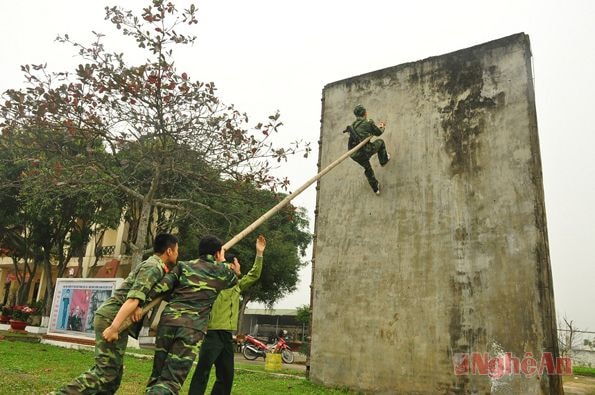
[(287, 356), (249, 354)]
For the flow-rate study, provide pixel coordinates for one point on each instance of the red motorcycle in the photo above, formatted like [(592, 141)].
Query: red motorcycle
[(254, 348)]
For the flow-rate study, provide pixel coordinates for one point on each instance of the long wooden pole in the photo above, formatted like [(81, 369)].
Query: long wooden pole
[(290, 197), (264, 217)]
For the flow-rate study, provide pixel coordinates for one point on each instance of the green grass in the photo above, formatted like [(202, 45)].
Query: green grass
[(583, 371), (33, 368)]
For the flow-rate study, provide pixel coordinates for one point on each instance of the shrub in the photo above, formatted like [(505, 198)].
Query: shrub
[(22, 313), (6, 310)]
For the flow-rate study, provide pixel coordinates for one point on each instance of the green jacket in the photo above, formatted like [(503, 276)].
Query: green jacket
[(224, 315)]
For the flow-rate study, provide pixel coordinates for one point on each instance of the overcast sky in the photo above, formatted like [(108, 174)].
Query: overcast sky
[(278, 55)]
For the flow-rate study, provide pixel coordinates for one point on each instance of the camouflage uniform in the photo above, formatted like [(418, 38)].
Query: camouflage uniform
[(194, 287), (218, 348), (364, 128), (105, 376)]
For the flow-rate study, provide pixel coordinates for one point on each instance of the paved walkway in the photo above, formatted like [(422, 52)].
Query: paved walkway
[(298, 365), (579, 385), (239, 358)]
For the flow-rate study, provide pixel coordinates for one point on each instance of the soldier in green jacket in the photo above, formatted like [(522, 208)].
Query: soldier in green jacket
[(194, 286), (364, 128), (105, 376), (217, 348)]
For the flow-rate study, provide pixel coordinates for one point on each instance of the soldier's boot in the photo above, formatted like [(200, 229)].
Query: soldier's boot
[(387, 160), (371, 178)]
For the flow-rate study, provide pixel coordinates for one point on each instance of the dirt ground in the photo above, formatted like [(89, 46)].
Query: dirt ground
[(298, 365), (579, 385)]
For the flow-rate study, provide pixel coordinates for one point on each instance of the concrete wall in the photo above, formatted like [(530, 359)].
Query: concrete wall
[(452, 257), (583, 358)]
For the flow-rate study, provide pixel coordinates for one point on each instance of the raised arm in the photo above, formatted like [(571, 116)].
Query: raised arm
[(376, 130), (254, 273)]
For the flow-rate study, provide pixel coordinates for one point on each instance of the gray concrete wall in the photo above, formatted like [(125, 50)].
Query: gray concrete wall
[(452, 257), (583, 357)]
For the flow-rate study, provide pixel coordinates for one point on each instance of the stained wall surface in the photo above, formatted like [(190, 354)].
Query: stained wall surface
[(452, 258)]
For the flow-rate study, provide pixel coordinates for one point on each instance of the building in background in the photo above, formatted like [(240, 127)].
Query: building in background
[(266, 324), (106, 255)]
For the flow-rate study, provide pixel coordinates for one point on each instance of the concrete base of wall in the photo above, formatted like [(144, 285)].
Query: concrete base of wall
[(29, 329), (65, 344), (39, 330), (132, 343)]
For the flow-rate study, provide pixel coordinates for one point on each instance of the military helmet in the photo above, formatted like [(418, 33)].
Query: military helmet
[(359, 110)]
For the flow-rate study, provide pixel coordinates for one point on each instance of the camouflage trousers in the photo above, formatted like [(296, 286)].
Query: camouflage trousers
[(106, 375), (176, 348), (363, 158)]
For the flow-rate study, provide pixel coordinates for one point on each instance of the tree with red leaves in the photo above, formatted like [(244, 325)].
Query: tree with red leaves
[(144, 128)]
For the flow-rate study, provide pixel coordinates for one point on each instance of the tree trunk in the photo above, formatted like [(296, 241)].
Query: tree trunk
[(32, 276), (80, 263), (145, 217), (141, 235), (20, 279), (22, 293), (49, 286)]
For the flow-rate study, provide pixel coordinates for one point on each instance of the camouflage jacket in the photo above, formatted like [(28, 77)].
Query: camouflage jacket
[(193, 288), (137, 285), (364, 128)]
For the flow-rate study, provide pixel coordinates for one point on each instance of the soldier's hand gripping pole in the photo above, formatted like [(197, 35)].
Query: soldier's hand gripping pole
[(265, 216)]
